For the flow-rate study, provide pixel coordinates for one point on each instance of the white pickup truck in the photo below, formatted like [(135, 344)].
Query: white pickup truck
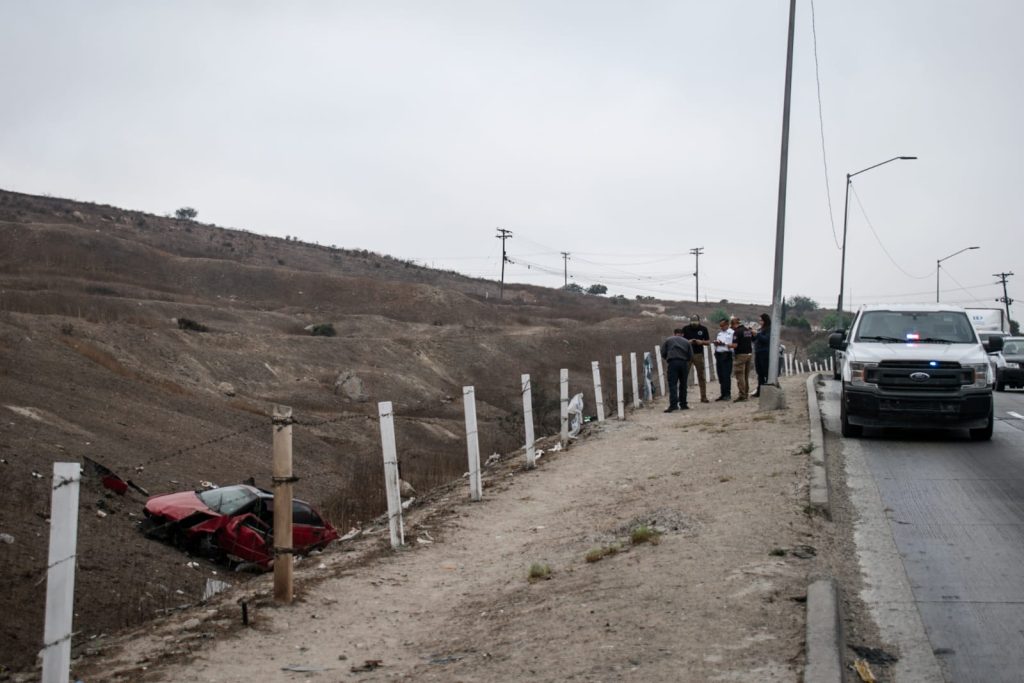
[(915, 366)]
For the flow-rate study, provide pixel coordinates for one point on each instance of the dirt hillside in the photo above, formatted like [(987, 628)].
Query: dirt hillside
[(157, 348)]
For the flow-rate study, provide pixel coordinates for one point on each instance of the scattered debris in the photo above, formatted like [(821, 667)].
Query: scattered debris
[(213, 587), (6, 538), (492, 458), (368, 665), (875, 655), (192, 565), (101, 514), (304, 669), (406, 504), (192, 623), (557, 447), (446, 659), (864, 671), (226, 388)]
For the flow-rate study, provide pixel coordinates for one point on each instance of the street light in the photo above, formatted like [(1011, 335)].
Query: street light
[(938, 267), (846, 214)]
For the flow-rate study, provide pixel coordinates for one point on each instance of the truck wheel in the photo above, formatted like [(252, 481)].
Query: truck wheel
[(984, 433), (850, 431)]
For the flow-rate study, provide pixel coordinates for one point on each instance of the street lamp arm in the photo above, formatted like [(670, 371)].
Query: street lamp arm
[(864, 170), (954, 254)]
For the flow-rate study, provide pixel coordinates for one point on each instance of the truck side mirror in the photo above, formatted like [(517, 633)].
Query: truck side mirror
[(993, 344), (837, 340)]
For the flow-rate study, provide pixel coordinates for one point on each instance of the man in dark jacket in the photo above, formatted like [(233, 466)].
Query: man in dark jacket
[(699, 338), (678, 353)]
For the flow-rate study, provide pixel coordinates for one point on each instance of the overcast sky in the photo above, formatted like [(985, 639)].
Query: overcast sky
[(625, 133)]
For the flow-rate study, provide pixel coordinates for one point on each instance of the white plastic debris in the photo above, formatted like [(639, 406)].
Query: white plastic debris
[(575, 415), (6, 538), (192, 565)]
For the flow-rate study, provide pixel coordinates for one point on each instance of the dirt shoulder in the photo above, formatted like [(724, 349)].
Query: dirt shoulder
[(720, 597)]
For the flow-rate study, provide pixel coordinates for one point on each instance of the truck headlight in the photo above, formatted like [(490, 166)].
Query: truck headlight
[(982, 374), (860, 373)]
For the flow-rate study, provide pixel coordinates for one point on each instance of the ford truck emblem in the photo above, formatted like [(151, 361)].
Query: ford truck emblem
[(920, 376)]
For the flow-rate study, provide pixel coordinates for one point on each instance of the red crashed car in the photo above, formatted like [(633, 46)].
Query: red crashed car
[(232, 522)]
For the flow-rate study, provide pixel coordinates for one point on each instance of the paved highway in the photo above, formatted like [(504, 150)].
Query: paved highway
[(941, 543)]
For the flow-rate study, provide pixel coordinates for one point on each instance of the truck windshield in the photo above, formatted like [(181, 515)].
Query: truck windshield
[(916, 327)]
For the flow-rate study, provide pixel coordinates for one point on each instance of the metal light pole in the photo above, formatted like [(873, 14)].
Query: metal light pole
[(846, 214), (938, 267), (780, 221)]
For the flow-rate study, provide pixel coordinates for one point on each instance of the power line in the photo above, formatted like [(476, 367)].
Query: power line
[(879, 239), (821, 128)]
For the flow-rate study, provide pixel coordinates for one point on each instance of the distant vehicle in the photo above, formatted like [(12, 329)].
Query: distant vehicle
[(915, 366), (988, 319), (1012, 376), (995, 357), (232, 522)]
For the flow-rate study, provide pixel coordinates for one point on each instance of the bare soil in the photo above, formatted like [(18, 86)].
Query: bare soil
[(93, 364), (719, 596)]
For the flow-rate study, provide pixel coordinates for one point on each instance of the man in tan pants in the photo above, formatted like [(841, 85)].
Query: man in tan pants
[(699, 338), (743, 348)]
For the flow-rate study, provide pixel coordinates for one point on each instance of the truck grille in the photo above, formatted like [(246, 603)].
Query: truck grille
[(919, 376)]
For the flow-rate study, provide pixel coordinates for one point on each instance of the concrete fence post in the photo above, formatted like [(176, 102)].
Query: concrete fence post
[(283, 485), (636, 382), (598, 396), (472, 444), (531, 453), (708, 364), (60, 577), (563, 395), (391, 485), (661, 370), (621, 403)]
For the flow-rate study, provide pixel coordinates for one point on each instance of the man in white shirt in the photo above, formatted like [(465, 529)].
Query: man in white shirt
[(723, 359)]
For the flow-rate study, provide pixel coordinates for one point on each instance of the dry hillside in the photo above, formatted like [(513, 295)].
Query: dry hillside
[(93, 363)]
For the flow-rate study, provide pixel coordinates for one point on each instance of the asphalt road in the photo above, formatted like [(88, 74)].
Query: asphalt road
[(954, 510)]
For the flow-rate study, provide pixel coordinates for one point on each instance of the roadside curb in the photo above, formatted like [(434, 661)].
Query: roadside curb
[(819, 478), (824, 660), (824, 639)]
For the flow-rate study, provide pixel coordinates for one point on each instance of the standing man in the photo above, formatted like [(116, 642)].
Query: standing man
[(743, 349), (677, 352), (699, 338), (723, 359)]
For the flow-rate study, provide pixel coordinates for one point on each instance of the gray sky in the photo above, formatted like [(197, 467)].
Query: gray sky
[(624, 133)]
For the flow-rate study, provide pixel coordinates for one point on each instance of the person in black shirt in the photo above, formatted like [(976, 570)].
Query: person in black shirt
[(742, 345), (677, 352), (762, 341), (699, 338)]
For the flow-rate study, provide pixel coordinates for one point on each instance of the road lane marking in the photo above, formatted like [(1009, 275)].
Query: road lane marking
[(1016, 415)]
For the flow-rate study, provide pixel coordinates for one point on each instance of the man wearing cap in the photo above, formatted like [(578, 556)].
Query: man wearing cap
[(699, 338), (677, 352), (743, 348)]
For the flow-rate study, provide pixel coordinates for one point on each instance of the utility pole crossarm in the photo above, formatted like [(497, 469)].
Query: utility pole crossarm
[(697, 251)]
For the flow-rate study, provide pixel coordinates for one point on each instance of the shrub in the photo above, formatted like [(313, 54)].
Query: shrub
[(186, 213), (800, 323), (323, 330), (644, 534), (539, 571), (190, 325)]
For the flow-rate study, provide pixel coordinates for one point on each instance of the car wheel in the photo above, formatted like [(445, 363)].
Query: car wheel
[(984, 433), (850, 431)]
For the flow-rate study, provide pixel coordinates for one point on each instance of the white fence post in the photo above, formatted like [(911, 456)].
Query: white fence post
[(636, 383), (708, 364), (618, 387), (648, 392), (598, 397), (563, 384), (661, 370), (472, 444), (391, 486), (531, 454), (60, 578)]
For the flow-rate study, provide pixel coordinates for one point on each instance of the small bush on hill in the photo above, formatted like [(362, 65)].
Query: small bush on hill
[(323, 330), (799, 323), (190, 325)]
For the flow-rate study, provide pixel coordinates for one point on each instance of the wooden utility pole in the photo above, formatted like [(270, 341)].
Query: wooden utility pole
[(503, 235), (697, 251), (565, 264), (1006, 297), (283, 484)]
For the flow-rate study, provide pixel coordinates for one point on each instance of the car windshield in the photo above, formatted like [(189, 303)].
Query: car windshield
[(916, 327), (1013, 348), (227, 500)]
